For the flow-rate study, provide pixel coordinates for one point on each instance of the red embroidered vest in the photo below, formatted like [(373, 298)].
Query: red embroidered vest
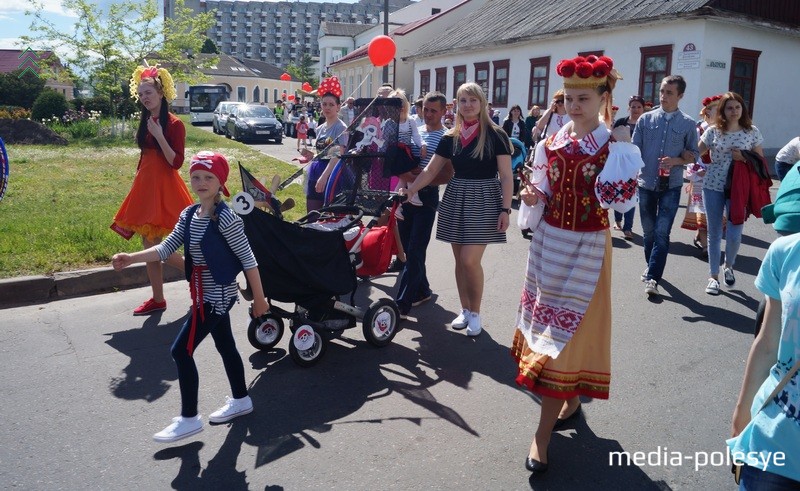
[(573, 205)]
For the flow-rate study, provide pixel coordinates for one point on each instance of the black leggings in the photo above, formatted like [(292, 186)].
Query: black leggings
[(220, 328)]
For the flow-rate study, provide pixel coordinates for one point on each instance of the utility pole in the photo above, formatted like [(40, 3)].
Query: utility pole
[(386, 33)]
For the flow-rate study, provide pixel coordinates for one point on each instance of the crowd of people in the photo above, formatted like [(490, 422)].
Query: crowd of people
[(562, 341)]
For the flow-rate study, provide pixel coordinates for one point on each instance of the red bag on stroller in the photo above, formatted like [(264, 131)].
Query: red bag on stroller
[(378, 246)]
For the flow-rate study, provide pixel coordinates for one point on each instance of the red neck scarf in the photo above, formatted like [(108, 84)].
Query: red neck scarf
[(469, 130)]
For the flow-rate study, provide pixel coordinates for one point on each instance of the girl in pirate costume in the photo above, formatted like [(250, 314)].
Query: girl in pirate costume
[(563, 338), (216, 250), (158, 194)]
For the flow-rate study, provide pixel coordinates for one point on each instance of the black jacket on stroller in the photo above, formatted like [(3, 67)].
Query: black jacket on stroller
[(297, 264)]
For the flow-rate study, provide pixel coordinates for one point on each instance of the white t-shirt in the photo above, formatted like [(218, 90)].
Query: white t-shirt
[(790, 153), (720, 145), (556, 123)]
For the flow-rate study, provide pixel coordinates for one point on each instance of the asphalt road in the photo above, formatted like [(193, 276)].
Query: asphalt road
[(85, 385)]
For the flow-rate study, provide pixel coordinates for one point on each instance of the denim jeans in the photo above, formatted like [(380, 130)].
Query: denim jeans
[(657, 210), (627, 224), (781, 169), (219, 326), (716, 204), (754, 479), (415, 234)]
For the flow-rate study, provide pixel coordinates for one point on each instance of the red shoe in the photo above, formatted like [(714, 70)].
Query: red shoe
[(150, 307)]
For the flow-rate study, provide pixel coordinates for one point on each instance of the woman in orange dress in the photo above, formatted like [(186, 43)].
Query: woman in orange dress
[(562, 342), (158, 194)]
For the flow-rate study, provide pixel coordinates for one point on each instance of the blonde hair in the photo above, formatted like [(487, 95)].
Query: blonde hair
[(485, 123), (401, 94)]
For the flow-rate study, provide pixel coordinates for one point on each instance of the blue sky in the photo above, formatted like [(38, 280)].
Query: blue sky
[(15, 23)]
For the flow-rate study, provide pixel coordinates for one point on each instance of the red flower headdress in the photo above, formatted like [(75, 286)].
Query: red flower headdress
[(586, 73), (330, 85), (711, 100)]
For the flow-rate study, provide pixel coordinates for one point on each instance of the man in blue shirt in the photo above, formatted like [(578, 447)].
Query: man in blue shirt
[(418, 218), (663, 135)]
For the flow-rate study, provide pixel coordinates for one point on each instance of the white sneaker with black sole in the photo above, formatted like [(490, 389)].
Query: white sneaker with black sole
[(179, 429), (232, 409), (713, 287), (729, 278)]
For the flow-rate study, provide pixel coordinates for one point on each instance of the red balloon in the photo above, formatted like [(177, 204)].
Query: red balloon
[(381, 50), (286, 77), (291, 97), (307, 87)]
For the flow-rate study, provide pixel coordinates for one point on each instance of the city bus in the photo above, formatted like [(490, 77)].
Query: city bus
[(203, 99)]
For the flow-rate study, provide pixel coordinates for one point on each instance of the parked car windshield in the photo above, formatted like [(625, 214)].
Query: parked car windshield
[(256, 112)]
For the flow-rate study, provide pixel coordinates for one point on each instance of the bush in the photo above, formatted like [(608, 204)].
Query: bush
[(14, 112), (98, 103), (77, 103), (49, 104)]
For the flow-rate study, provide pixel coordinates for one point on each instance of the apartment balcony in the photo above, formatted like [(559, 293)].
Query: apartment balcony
[(293, 24), (234, 23), (234, 14), (248, 44), (219, 23)]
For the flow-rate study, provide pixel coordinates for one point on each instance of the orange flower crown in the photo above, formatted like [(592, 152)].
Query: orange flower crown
[(586, 72)]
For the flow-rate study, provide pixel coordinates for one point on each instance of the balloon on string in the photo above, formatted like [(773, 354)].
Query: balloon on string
[(286, 77), (306, 86), (381, 50), (291, 97)]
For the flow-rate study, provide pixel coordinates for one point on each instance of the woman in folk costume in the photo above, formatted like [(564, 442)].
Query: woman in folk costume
[(563, 337), (158, 194)]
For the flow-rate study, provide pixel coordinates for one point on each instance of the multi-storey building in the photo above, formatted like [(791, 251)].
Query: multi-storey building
[(279, 32)]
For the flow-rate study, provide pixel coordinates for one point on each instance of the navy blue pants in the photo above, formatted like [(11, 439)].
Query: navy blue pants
[(415, 234), (219, 326)]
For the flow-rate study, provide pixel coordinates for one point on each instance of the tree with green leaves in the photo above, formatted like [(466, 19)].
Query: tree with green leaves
[(107, 45), (20, 89), (303, 70), (209, 48)]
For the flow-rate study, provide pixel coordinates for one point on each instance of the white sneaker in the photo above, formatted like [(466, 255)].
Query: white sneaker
[(180, 428), (730, 280), (644, 274), (474, 324), (713, 287), (231, 409), (461, 321), (651, 288)]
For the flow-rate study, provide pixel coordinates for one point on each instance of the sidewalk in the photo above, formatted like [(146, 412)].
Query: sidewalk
[(24, 290)]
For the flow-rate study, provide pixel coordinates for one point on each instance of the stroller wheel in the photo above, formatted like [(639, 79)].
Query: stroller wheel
[(265, 332), (311, 355), (380, 322)]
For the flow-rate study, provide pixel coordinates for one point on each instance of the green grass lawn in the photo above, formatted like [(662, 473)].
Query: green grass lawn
[(60, 201)]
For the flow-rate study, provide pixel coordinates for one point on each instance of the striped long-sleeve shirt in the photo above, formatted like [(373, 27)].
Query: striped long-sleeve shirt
[(232, 228)]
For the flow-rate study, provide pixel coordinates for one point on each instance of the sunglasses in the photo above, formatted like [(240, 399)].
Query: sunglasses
[(560, 102)]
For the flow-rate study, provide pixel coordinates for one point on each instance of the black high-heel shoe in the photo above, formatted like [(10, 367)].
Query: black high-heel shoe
[(561, 424), (535, 466)]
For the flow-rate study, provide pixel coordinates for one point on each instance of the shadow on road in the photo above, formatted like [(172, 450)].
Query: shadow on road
[(711, 313), (582, 460), (151, 366)]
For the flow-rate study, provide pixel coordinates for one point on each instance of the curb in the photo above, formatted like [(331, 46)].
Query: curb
[(27, 290)]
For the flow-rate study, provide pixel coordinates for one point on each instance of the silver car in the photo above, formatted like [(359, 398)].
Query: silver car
[(220, 122)]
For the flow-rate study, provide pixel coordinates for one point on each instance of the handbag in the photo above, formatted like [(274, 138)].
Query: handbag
[(529, 216), (736, 468)]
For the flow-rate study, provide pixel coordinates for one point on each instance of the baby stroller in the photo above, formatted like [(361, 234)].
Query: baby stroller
[(518, 157), (314, 261)]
